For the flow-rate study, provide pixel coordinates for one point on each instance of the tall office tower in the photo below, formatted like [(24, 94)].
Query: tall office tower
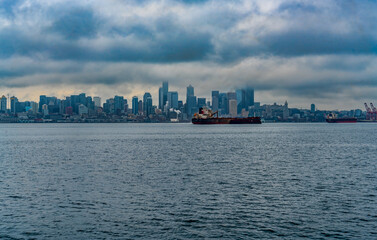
[(173, 100), (233, 107), (201, 102), (42, 101), (97, 101), (190, 91), (191, 105), (312, 108), (75, 102), (215, 100), (140, 106), (13, 102), (135, 105), (148, 107), (90, 103), (223, 103), (165, 90), (160, 98), (249, 97), (118, 104), (82, 99), (146, 103), (241, 100), (3, 104)]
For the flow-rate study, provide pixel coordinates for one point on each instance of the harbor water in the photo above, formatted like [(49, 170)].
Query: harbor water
[(184, 181)]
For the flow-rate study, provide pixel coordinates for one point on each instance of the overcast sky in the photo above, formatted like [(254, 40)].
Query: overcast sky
[(321, 51)]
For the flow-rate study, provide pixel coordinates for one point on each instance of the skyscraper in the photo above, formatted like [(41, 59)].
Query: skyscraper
[(215, 100), (13, 101), (97, 101), (312, 108), (135, 105), (118, 104), (249, 97), (233, 107), (147, 103), (3, 104), (173, 100), (191, 103), (201, 102)]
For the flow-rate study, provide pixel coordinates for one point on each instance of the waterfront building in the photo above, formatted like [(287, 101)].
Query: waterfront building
[(135, 105), (191, 103), (3, 104)]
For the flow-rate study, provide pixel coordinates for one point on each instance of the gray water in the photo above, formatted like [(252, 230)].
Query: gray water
[(180, 181)]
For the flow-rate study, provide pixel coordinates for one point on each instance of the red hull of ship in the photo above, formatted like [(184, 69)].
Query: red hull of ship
[(249, 120)]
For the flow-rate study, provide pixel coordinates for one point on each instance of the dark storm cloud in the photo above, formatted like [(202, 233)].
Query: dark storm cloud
[(76, 23), (173, 38)]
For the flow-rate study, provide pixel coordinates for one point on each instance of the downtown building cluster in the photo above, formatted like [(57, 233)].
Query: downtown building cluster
[(83, 108)]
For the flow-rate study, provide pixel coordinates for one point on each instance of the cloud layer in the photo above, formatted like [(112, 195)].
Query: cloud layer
[(304, 51)]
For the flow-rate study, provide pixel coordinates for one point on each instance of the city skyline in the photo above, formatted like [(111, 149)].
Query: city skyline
[(299, 51)]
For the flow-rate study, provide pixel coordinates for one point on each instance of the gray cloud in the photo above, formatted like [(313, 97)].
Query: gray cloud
[(303, 48)]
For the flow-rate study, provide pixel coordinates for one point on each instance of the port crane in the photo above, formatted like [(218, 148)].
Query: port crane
[(374, 113), (369, 112)]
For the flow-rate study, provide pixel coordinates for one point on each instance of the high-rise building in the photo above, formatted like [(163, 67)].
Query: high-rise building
[(201, 102), (42, 101), (3, 104), (97, 101), (215, 100), (173, 100), (140, 106), (233, 107), (135, 105), (223, 103), (312, 108), (147, 103), (118, 104), (249, 97), (13, 101), (190, 91)]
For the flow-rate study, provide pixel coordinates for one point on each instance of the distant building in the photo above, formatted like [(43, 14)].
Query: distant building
[(3, 104), (163, 95), (140, 107), (312, 108), (215, 100), (118, 105), (173, 100), (83, 109), (201, 102), (13, 102), (45, 109), (147, 104), (97, 101), (191, 103), (135, 105), (233, 107)]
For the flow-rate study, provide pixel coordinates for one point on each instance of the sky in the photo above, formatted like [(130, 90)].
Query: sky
[(322, 52)]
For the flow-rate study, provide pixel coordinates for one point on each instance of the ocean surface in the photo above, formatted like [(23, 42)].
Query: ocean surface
[(180, 181)]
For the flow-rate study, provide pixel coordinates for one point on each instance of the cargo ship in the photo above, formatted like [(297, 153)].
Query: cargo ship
[(205, 116), (333, 118)]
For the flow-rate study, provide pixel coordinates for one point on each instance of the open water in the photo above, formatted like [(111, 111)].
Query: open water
[(180, 181)]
